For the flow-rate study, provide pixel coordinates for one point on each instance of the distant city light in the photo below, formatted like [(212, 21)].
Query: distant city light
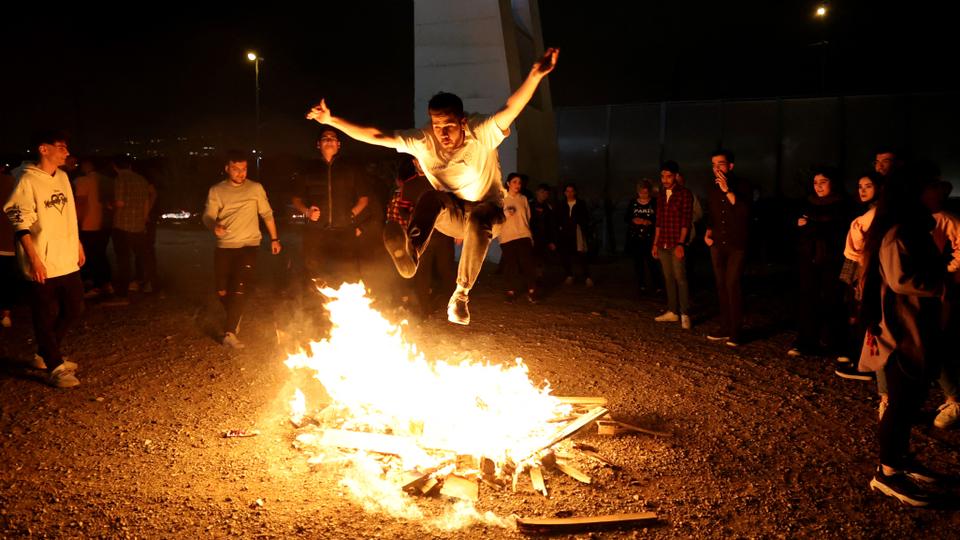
[(176, 215)]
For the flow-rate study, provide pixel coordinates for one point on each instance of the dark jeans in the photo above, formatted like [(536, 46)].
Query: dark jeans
[(475, 222), (126, 244), (644, 265), (436, 265), (97, 268), (519, 268), (907, 393), (574, 262), (234, 270), (11, 281), (330, 255), (56, 304), (820, 311), (728, 271), (675, 281)]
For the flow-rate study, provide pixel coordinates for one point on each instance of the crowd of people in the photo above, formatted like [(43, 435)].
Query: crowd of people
[(876, 278)]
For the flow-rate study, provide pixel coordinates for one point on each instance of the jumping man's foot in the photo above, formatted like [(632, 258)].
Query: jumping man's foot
[(457, 311), (401, 250)]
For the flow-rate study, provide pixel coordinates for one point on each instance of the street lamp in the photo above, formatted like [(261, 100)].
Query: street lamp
[(256, 59), (821, 11)]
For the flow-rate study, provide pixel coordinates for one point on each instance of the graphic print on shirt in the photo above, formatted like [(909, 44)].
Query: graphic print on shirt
[(58, 200), (15, 215)]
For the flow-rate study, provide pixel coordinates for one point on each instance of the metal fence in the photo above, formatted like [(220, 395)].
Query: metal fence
[(607, 149)]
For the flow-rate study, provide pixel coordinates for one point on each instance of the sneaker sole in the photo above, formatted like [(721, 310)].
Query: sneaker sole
[(395, 240), (853, 376), (718, 338), (905, 499)]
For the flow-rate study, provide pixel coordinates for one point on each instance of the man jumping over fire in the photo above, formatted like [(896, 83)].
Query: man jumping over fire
[(459, 157)]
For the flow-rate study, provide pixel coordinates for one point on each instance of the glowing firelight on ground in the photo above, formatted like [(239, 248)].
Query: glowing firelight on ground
[(378, 383)]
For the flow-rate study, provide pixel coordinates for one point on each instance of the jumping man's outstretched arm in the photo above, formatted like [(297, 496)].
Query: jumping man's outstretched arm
[(370, 135), (515, 103)]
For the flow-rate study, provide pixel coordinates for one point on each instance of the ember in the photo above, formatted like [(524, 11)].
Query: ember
[(406, 425)]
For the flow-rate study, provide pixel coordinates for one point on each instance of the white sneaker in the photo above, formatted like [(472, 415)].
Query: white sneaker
[(667, 317), (685, 322), (38, 363), (231, 340), (63, 377), (949, 414), (883, 408), (133, 286), (568, 281), (589, 282), (6, 322)]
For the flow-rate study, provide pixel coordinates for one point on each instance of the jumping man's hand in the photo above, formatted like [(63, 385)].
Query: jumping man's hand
[(320, 112)]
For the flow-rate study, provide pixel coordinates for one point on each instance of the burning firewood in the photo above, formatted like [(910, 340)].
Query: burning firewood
[(460, 488), (536, 478)]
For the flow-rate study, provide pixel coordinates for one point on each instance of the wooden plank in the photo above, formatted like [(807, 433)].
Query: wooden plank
[(574, 524), (581, 400), (609, 428), (536, 478), (573, 472), (460, 488), (573, 427), (594, 456), (371, 442)]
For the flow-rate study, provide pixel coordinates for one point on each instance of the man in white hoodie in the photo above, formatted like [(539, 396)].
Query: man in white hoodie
[(43, 214)]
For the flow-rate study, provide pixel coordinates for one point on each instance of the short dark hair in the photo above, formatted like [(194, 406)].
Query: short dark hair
[(236, 156), (570, 185), (646, 184), (727, 154), (405, 168), (544, 187), (671, 166), (325, 128), (122, 161), (48, 136), (445, 102), (886, 149)]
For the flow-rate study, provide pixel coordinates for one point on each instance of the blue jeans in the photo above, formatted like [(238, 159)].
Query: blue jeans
[(675, 281)]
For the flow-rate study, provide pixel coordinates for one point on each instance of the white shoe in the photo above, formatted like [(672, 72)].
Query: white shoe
[(883, 408), (589, 282), (63, 377), (6, 322), (133, 286), (568, 281), (685, 322), (231, 340), (949, 414), (38, 363), (667, 317)]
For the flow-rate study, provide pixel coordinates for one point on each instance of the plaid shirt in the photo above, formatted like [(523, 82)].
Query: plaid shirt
[(673, 215), (399, 209), (133, 190)]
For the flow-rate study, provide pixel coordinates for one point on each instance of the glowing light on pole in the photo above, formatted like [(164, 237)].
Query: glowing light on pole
[(256, 59)]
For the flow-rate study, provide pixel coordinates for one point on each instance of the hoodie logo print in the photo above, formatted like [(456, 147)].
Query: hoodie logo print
[(15, 215), (58, 200)]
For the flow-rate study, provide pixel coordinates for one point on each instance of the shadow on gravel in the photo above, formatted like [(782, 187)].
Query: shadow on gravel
[(13, 368)]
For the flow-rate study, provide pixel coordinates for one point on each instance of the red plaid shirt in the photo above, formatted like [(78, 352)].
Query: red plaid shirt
[(673, 215)]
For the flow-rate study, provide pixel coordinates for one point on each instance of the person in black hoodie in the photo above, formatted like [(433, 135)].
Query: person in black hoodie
[(574, 232), (821, 234), (543, 225), (641, 218)]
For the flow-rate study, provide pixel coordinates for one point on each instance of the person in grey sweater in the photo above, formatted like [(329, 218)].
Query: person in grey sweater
[(233, 208)]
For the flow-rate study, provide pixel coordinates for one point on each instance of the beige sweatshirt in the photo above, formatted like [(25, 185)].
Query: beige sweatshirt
[(237, 209)]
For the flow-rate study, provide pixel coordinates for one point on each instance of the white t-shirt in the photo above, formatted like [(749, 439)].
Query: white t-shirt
[(516, 225), (43, 205), (472, 171)]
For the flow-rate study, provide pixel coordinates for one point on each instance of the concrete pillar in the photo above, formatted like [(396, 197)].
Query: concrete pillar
[(482, 50)]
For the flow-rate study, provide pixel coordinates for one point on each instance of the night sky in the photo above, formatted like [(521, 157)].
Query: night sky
[(109, 76)]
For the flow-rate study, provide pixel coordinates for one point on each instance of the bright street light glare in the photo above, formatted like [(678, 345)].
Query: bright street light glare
[(821, 11), (251, 56)]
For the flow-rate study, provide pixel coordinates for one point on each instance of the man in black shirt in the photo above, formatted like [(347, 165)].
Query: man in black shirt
[(333, 198), (728, 202)]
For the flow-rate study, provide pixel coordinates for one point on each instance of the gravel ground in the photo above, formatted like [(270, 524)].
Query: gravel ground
[(762, 445)]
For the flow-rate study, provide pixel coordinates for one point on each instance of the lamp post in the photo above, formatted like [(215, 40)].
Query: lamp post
[(821, 14), (256, 59)]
